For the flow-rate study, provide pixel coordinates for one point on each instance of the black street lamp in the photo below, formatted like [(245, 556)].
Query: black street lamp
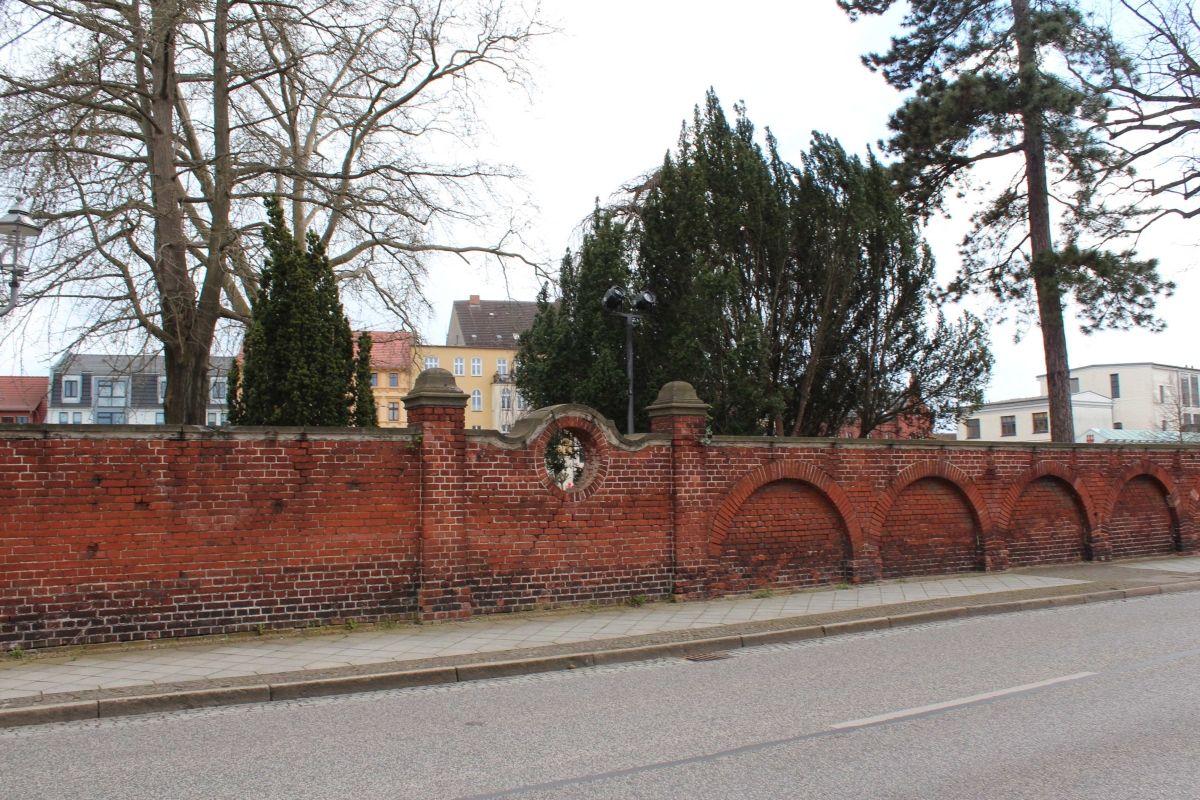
[(15, 228), (616, 299)]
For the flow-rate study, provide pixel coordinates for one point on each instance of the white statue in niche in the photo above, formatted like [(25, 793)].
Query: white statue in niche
[(564, 459)]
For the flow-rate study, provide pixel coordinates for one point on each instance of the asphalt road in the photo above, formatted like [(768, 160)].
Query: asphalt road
[(1095, 701)]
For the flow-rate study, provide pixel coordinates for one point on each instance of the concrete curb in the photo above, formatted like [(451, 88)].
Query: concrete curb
[(51, 712)]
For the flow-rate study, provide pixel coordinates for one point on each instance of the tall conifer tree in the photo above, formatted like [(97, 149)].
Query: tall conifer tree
[(298, 363), (794, 300), (987, 89), (365, 413)]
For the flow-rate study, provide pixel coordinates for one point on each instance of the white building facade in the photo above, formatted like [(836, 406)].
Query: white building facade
[(1027, 419), (1142, 396), (1146, 396)]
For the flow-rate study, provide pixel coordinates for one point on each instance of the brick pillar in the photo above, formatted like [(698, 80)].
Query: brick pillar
[(436, 407), (679, 412)]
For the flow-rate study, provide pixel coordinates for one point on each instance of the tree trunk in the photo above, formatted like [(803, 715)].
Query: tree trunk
[(1045, 277), (176, 290)]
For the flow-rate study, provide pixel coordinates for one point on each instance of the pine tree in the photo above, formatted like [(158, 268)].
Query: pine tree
[(986, 90), (365, 413), (298, 363)]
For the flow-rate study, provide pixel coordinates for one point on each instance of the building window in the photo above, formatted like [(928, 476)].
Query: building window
[(1118, 426), (505, 400), (972, 429), (1162, 393), (162, 390), (1114, 385), (1008, 426), (1189, 390), (77, 418), (502, 366), (431, 362), (374, 379), (393, 412), (218, 390), (520, 402), (160, 418), (476, 366), (477, 400), (22, 420), (70, 389), (111, 393), (1041, 422), (1074, 385), (110, 417), (459, 368), (64, 418), (504, 428)]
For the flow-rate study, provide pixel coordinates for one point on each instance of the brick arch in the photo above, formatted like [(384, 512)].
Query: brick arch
[(1050, 537), (776, 471), (933, 469), (1047, 469), (1175, 506), (911, 547), (1150, 470)]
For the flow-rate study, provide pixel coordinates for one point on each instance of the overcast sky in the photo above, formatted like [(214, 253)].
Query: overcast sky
[(613, 87)]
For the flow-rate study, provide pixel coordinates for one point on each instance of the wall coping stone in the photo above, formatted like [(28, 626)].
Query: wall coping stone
[(677, 399), (435, 388)]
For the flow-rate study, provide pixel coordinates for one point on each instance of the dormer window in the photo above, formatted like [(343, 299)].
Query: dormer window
[(71, 388)]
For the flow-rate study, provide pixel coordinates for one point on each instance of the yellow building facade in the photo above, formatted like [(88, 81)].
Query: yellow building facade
[(484, 375)]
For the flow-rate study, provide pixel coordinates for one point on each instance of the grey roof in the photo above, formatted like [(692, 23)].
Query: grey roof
[(138, 364), (490, 323), (1145, 437)]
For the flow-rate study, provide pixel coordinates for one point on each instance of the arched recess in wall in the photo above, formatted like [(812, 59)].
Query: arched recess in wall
[(783, 524), (1047, 517), (1142, 517), (932, 520)]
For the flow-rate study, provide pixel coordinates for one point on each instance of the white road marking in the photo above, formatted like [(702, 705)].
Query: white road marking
[(962, 701)]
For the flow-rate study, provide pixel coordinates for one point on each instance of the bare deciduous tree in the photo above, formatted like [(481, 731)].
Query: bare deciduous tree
[(1156, 113), (151, 130)]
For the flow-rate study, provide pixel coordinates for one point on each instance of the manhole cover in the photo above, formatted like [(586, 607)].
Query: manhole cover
[(707, 657)]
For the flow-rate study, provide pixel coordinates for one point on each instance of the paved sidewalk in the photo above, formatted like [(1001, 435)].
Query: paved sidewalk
[(180, 666)]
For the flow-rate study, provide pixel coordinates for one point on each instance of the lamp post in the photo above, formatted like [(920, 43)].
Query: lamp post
[(615, 299), (16, 227)]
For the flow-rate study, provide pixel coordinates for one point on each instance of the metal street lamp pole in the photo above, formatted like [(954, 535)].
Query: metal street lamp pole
[(615, 299), (15, 228)]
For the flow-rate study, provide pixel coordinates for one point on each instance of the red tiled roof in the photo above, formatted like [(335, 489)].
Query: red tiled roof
[(19, 393), (391, 348)]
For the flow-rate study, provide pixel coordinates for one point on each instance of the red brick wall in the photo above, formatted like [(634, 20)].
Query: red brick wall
[(1141, 522), (141, 533), (133, 538), (929, 530), (531, 543), (787, 534), (1048, 525)]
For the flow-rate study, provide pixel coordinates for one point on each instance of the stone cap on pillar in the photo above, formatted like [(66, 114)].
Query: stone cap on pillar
[(435, 388), (677, 399)]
